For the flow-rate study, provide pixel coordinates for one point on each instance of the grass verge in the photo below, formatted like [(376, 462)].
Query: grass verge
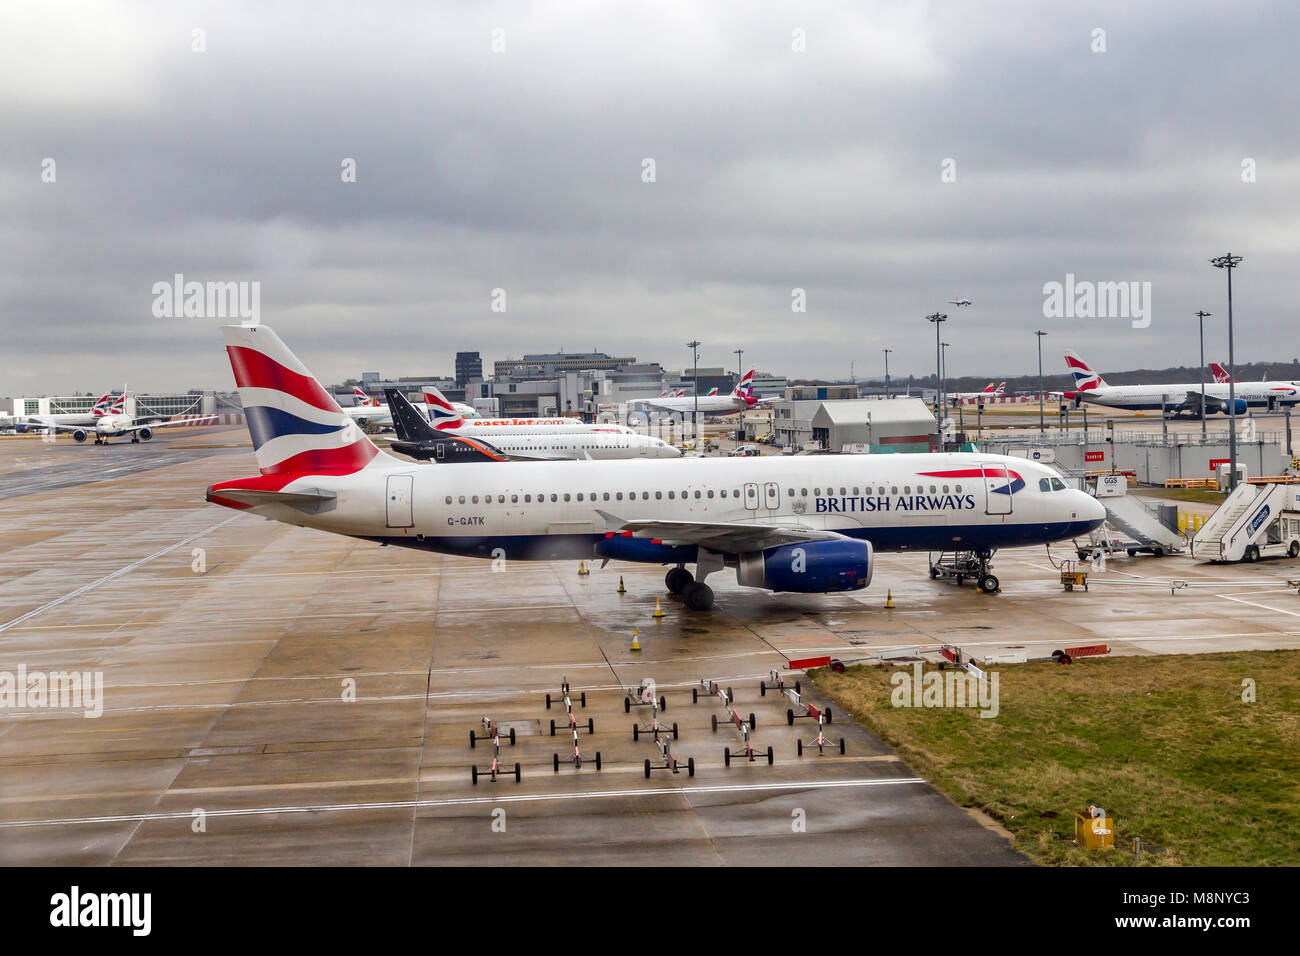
[(1166, 744)]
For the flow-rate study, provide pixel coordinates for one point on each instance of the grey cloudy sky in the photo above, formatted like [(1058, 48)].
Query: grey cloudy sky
[(522, 169)]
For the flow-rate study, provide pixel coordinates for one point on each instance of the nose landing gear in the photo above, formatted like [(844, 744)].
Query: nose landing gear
[(959, 565)]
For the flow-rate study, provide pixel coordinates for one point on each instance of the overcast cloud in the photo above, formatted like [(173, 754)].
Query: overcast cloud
[(522, 170)]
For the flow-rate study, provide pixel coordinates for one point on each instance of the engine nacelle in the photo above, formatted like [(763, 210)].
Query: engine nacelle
[(145, 433), (79, 435), (812, 568)]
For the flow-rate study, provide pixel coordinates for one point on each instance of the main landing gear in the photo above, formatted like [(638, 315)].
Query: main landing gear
[(959, 565), (695, 594)]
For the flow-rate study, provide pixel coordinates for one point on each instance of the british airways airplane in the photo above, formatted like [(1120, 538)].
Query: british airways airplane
[(1090, 387), (803, 524)]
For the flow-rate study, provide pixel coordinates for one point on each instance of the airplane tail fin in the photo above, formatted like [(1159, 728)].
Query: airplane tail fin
[(409, 424), (296, 426), (1085, 379), (101, 406), (1221, 375), (745, 390), (989, 389), (442, 413), (1002, 387)]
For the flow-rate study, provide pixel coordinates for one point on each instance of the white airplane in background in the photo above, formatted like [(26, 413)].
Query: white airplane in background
[(808, 525), (990, 391), (101, 408), (446, 415), (116, 425), (741, 398), (959, 302), (1090, 387), (420, 438), (367, 409)]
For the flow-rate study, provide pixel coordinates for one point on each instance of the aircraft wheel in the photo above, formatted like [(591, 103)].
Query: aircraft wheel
[(677, 580), (989, 583), (698, 597)]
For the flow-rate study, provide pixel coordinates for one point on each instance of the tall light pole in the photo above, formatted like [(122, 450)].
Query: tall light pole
[(740, 364), (1202, 315), (1040, 383), (886, 351), (944, 371), (938, 318), (694, 346), (1229, 261)]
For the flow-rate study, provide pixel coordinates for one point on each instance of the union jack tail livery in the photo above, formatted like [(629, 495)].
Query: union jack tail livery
[(1221, 375), (101, 406), (1085, 379), (442, 414), (296, 426), (119, 406), (363, 398), (745, 390)]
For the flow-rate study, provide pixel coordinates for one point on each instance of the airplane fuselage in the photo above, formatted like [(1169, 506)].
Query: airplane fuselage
[(553, 509), (1154, 397)]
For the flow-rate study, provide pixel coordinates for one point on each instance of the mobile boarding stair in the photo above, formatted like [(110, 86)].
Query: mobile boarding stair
[(1130, 524), (1256, 521)]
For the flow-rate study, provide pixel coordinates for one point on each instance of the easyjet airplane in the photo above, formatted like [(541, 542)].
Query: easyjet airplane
[(806, 524)]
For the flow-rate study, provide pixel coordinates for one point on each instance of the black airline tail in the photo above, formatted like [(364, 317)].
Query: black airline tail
[(417, 438)]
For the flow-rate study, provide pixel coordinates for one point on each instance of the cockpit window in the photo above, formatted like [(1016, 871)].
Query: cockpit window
[(1058, 484), (1044, 484)]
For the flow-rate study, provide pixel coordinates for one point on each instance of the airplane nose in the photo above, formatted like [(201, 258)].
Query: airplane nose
[(1089, 508)]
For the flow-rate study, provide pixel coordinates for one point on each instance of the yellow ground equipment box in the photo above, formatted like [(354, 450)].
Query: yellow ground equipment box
[(1094, 833)]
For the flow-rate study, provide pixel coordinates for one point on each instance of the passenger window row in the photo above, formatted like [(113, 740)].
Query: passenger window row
[(700, 494)]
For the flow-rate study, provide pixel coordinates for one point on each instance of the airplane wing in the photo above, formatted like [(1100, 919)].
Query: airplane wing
[(726, 536), (1212, 404), (180, 420)]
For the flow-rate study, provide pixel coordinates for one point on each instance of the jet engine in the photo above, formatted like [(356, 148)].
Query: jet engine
[(812, 568)]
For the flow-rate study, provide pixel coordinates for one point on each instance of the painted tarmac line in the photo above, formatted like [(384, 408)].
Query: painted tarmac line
[(1262, 607), (115, 574), (475, 801)]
